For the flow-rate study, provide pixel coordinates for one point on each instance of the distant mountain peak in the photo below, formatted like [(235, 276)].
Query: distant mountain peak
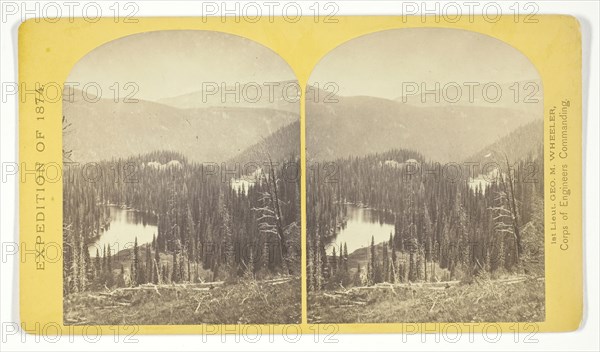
[(280, 95)]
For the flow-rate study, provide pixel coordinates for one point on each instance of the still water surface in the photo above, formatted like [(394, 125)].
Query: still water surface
[(362, 223), (125, 226)]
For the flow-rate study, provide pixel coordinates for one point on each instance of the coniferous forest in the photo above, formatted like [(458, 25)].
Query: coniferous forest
[(181, 206), (209, 233), (448, 233), (424, 204), (184, 207)]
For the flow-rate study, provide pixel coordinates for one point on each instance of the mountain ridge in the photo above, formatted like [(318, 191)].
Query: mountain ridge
[(355, 126), (247, 95), (211, 134)]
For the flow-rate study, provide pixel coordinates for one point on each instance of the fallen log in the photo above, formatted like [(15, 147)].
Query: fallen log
[(276, 281), (205, 285), (330, 295), (354, 304), (345, 293)]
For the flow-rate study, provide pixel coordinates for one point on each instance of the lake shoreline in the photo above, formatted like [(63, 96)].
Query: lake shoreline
[(125, 225)]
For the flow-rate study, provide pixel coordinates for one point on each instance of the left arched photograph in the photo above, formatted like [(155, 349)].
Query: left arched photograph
[(181, 187)]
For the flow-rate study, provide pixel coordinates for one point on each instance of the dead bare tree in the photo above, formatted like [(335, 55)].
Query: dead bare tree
[(270, 220), (506, 215)]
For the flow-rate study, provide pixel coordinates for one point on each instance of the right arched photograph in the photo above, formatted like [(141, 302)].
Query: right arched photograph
[(425, 181)]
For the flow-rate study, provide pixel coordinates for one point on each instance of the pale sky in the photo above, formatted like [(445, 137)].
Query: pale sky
[(170, 63), (376, 64)]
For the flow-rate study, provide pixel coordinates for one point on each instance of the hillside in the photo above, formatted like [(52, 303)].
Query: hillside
[(361, 125), (524, 142), (201, 134), (191, 304), (282, 144)]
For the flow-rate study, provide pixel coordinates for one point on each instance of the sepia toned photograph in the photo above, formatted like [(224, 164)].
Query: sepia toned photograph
[(181, 188), (425, 182)]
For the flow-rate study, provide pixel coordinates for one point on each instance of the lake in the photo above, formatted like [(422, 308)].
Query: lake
[(125, 226), (361, 224)]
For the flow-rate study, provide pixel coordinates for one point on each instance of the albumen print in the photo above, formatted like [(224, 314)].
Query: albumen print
[(181, 183), (425, 181)]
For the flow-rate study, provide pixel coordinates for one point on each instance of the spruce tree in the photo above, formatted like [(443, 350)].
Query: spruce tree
[(333, 262), (104, 267), (345, 257), (385, 265), (149, 270), (108, 259), (175, 271), (157, 274), (135, 275), (98, 265), (394, 274)]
